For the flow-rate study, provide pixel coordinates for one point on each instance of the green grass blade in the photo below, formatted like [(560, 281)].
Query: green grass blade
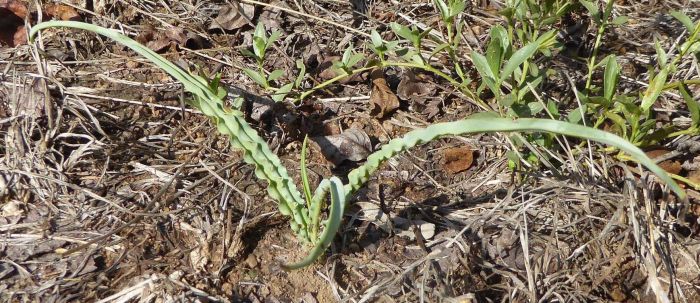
[(693, 107), (518, 58), (487, 75), (335, 216), (611, 77), (191, 83), (654, 90), (360, 175), (304, 175)]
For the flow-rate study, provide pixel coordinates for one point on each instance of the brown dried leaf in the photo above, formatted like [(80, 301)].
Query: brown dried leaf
[(177, 35), (20, 36), (62, 12), (382, 99), (30, 100), (353, 144), (426, 229), (14, 208), (325, 68), (152, 39), (327, 71), (273, 17), (411, 89), (160, 41), (694, 176), (670, 166), (12, 14), (14, 7), (458, 159), (233, 16)]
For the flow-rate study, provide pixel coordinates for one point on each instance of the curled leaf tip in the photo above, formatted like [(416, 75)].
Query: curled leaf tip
[(335, 216)]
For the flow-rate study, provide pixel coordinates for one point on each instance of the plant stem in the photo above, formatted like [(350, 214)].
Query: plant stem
[(676, 84), (689, 131), (333, 80), (424, 67), (596, 47)]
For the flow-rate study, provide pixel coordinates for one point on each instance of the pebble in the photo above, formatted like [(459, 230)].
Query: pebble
[(251, 261)]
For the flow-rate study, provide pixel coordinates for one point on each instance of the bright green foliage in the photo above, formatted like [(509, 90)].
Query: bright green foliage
[(632, 115), (450, 9), (502, 66), (611, 78), (693, 107), (381, 47), (261, 45), (349, 60)]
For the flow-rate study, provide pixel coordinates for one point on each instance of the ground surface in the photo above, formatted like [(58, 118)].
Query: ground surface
[(111, 189)]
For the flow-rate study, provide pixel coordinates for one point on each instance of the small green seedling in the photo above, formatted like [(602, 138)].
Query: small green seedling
[(381, 47), (349, 60), (501, 69), (261, 44)]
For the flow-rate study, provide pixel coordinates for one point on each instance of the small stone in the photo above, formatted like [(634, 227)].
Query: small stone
[(251, 261), (227, 289), (132, 64)]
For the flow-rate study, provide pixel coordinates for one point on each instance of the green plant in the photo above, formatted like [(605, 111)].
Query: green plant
[(503, 66), (631, 115), (261, 44), (449, 12), (527, 18), (513, 76), (305, 215)]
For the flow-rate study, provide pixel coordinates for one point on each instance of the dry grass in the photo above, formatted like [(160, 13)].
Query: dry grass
[(112, 191)]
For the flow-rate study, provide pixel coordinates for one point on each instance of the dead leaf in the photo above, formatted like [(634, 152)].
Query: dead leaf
[(327, 71), (15, 7), (325, 68), (427, 229), (12, 208), (432, 108), (353, 144), (385, 17), (309, 298), (30, 100), (273, 17), (458, 159), (468, 298), (382, 98), (694, 176), (670, 166), (231, 17), (12, 14), (373, 213), (146, 36), (62, 12), (411, 89), (160, 41)]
